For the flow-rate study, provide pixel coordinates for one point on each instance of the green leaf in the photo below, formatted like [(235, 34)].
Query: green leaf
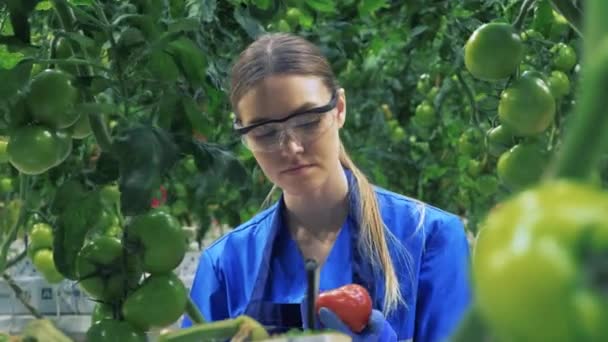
[(262, 4), (247, 22), (97, 108), (199, 121), (9, 216), (322, 5), (83, 41), (15, 79), (81, 2), (77, 210), (543, 17), (218, 162), (144, 153), (306, 20), (203, 9), (184, 25), (44, 6), (9, 60), (367, 7)]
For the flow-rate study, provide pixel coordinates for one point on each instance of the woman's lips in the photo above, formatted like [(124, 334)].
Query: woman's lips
[(298, 168)]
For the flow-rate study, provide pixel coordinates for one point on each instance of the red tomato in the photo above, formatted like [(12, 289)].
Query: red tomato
[(157, 202), (352, 303)]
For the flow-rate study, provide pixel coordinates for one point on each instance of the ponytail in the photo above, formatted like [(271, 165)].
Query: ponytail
[(372, 241)]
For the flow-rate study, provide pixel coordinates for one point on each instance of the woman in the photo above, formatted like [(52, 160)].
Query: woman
[(411, 257)]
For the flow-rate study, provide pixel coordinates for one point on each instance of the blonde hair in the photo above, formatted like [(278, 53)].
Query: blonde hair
[(374, 236), (283, 53)]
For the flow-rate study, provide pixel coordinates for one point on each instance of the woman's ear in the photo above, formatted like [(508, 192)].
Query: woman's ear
[(341, 107)]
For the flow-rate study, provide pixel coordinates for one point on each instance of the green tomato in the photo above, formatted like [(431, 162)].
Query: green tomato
[(559, 84), (35, 149), (527, 107), (521, 166), (487, 185), (424, 83), (470, 142), (100, 266), (6, 185), (430, 96), (283, 26), (474, 167), (40, 237), (499, 140), (51, 99), (179, 208), (168, 295), (45, 264), (493, 51), (425, 115), (81, 128), (110, 195), (190, 165), (293, 16), (538, 265), (564, 57), (159, 239), (180, 190), (110, 330), (107, 219)]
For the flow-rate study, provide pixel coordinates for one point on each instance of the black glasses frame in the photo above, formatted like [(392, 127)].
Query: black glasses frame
[(322, 109)]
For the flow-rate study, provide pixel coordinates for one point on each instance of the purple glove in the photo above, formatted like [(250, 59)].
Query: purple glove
[(377, 329)]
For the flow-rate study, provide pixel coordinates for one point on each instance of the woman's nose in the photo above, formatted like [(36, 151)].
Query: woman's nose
[(290, 144)]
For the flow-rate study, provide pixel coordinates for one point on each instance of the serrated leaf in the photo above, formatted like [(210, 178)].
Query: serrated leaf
[(9, 60), (322, 5), (248, 23), (367, 7)]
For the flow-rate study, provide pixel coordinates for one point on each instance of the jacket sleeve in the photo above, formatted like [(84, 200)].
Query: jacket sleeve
[(208, 292), (444, 292)]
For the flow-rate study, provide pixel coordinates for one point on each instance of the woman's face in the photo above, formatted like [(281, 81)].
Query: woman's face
[(306, 147)]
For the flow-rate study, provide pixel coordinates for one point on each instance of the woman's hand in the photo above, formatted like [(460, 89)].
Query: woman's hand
[(377, 329)]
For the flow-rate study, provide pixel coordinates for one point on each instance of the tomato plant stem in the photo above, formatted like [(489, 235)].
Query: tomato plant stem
[(469, 93), (523, 12), (12, 235), (586, 137), (98, 126), (570, 12), (194, 313), (16, 259), (21, 296)]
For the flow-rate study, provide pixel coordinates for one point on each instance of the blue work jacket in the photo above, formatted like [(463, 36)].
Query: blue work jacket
[(258, 270)]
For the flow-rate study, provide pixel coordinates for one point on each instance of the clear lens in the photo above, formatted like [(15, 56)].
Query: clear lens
[(305, 128)]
